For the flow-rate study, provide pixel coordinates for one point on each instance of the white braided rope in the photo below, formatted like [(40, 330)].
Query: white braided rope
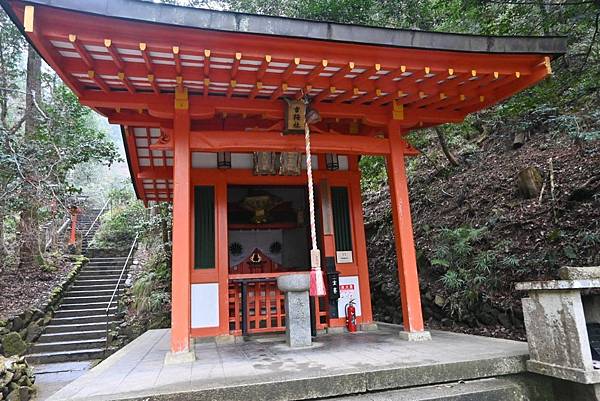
[(311, 192)]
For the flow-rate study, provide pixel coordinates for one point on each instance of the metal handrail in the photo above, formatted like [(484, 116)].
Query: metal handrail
[(117, 285), (59, 231), (96, 219)]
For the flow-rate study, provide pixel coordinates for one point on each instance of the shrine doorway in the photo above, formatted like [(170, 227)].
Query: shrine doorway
[(268, 235), (268, 229)]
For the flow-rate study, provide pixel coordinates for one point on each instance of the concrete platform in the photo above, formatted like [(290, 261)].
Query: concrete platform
[(335, 366), (49, 378)]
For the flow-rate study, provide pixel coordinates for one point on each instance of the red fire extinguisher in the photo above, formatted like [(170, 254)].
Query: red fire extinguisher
[(351, 316)]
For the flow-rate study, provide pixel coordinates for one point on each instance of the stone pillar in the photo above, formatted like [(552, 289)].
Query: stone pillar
[(297, 308), (556, 317)]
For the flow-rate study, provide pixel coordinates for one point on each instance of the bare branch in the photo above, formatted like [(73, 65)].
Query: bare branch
[(593, 41)]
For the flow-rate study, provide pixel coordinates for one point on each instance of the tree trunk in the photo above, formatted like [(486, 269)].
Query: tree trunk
[(3, 250), (530, 182), (29, 251), (34, 91), (451, 158)]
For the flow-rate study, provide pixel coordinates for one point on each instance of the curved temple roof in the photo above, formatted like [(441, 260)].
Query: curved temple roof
[(125, 58), (227, 21)]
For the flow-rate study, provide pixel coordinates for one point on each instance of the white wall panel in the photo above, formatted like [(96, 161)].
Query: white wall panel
[(205, 305)]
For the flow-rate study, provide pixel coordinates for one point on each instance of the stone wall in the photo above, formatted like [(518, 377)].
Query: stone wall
[(18, 332), (16, 379)]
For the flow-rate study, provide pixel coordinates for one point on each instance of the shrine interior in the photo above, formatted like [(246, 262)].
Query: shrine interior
[(268, 229)]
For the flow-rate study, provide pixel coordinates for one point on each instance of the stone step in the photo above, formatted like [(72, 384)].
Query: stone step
[(63, 346), (90, 293), (72, 336), (85, 300), (109, 259), (108, 271), (476, 390), (85, 275), (102, 270), (109, 266), (101, 318), (65, 356), (115, 263), (94, 287), (84, 282), (84, 312), (71, 327), (86, 305)]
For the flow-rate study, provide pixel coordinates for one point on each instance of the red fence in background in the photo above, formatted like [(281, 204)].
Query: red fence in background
[(265, 308)]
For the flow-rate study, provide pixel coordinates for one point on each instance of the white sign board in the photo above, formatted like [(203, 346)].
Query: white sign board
[(205, 305), (349, 290), (343, 256)]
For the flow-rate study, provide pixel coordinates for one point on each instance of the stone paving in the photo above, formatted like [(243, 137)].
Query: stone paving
[(49, 378), (336, 365)]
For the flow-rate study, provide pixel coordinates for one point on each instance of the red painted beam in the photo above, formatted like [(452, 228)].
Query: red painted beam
[(248, 141)]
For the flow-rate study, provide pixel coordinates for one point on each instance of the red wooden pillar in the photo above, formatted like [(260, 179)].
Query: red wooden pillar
[(222, 253), (361, 250), (403, 232), (182, 228), (73, 235)]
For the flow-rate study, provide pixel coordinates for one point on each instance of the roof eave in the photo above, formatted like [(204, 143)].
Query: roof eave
[(227, 21)]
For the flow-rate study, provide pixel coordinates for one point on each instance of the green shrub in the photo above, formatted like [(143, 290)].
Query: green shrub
[(151, 292), (466, 271), (120, 226)]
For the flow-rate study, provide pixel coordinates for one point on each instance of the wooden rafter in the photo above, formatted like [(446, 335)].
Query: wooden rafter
[(256, 90), (349, 94), (207, 63), (152, 81), (126, 82), (177, 59), (80, 49), (364, 76), (114, 54), (318, 69), (99, 81), (236, 65), (147, 60), (263, 68), (341, 73), (279, 91), (324, 95), (290, 69)]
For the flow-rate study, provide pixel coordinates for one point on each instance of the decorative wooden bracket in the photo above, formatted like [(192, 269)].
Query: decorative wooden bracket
[(398, 112), (548, 65), (28, 18), (181, 99)]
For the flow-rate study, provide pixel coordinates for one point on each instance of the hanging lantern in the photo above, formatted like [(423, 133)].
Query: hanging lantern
[(332, 161), (224, 160)]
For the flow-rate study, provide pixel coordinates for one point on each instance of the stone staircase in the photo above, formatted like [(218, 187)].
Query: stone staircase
[(78, 330), (84, 222)]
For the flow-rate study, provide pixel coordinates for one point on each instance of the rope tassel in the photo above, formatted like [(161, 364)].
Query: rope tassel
[(317, 283)]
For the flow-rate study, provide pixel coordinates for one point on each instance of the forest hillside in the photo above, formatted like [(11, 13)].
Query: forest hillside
[(477, 234)]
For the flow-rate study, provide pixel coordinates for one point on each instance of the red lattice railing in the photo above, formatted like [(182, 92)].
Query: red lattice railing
[(265, 308)]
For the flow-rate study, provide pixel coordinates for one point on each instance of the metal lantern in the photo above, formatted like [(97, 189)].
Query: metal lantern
[(224, 160), (332, 161)]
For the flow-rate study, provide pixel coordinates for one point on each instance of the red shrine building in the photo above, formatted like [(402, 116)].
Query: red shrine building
[(212, 107)]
